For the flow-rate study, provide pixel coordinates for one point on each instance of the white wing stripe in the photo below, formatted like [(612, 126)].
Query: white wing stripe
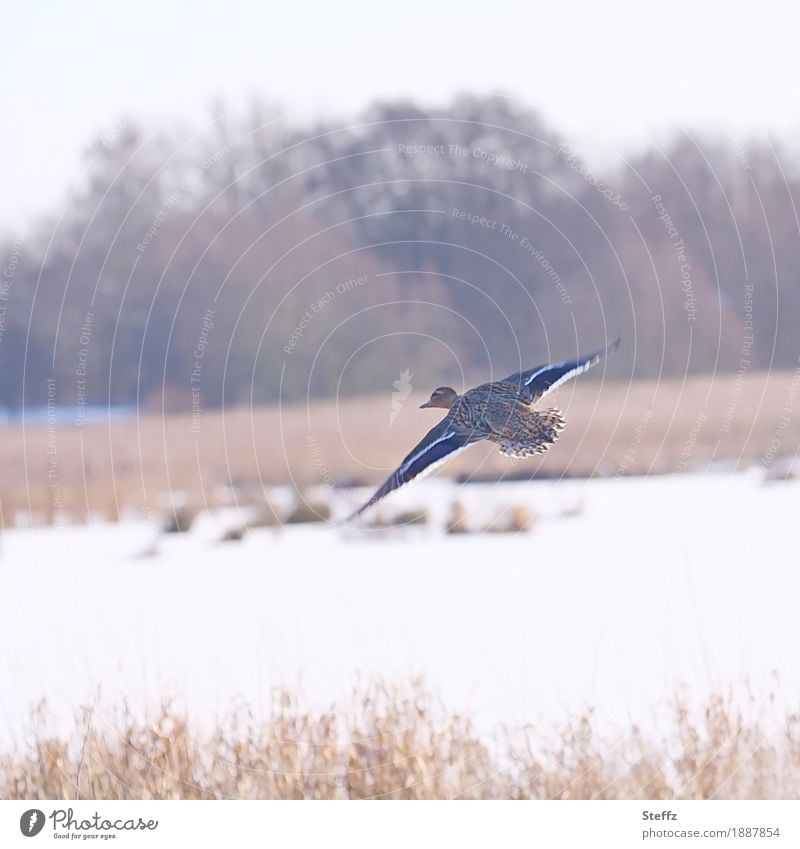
[(542, 369), (440, 462), (569, 375), (411, 460)]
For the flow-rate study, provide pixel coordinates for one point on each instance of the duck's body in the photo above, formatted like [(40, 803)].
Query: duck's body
[(500, 412)]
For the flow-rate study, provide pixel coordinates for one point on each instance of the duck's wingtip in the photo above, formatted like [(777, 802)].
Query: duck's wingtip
[(607, 351), (356, 514), (349, 520)]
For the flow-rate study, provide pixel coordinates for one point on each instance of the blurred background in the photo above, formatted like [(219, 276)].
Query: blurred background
[(239, 245)]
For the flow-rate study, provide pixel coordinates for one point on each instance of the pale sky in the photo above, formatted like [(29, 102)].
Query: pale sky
[(610, 75)]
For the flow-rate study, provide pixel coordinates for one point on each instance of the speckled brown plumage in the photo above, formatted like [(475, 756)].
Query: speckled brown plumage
[(500, 413), (529, 432)]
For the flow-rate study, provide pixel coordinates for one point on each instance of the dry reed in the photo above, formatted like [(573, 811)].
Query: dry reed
[(394, 743)]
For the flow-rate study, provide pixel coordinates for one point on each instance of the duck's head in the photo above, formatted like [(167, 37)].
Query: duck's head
[(442, 397)]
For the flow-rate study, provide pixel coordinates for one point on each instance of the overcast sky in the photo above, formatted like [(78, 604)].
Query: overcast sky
[(610, 75)]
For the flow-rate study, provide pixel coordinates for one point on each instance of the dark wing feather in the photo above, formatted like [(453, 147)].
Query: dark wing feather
[(538, 381), (438, 445)]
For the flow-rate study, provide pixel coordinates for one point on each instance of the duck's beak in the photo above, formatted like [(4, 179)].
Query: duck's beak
[(425, 405)]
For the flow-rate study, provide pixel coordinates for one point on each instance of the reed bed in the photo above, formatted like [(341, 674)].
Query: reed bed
[(397, 743)]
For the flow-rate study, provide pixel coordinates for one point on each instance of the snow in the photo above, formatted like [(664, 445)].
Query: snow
[(658, 586)]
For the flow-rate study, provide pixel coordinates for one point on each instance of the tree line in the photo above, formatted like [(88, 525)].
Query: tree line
[(260, 260)]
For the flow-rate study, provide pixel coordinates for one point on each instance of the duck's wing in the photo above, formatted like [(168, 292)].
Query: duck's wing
[(438, 445), (538, 381)]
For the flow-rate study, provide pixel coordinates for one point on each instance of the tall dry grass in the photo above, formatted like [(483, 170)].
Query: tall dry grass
[(393, 743)]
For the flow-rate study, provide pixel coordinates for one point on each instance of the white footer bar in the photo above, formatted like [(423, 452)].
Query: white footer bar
[(404, 825)]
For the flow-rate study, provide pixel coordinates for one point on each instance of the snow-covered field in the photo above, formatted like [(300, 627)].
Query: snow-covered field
[(682, 584)]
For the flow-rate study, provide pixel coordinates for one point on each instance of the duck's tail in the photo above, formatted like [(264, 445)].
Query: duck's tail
[(530, 433)]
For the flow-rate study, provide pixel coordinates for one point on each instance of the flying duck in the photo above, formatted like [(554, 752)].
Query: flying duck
[(500, 412)]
